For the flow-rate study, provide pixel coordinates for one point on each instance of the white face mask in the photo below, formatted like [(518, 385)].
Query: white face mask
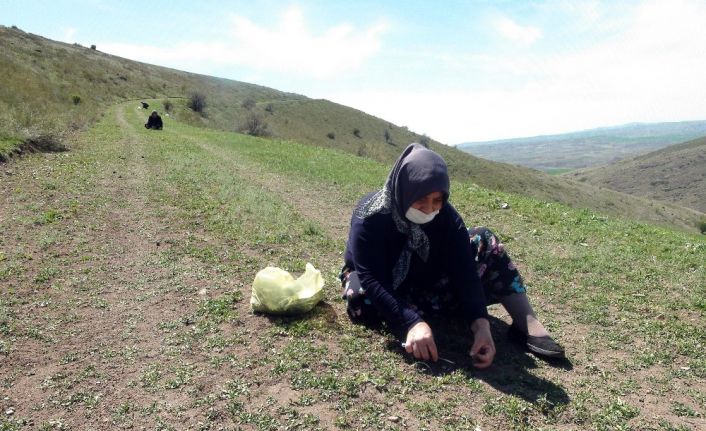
[(419, 217)]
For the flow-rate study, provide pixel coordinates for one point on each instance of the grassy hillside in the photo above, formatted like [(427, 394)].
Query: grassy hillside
[(675, 174), (51, 90), (49, 87), (126, 283), (587, 148)]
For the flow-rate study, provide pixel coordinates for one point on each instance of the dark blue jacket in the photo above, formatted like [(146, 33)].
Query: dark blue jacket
[(374, 245)]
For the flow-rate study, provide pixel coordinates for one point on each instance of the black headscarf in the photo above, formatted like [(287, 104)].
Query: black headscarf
[(416, 173)]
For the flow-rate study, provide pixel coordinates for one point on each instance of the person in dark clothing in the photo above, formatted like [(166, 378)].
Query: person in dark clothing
[(154, 121), (409, 255)]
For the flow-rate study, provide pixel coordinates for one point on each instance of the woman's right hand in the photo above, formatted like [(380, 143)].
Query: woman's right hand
[(420, 342), (483, 349)]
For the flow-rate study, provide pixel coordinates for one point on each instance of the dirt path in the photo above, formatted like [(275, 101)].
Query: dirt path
[(106, 298), (85, 346)]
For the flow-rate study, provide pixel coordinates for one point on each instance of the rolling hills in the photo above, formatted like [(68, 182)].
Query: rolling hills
[(674, 174), (586, 148), (54, 89)]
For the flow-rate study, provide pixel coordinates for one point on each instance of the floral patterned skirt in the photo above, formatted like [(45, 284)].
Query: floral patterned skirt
[(498, 275)]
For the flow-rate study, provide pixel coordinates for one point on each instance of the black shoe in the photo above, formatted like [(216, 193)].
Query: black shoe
[(542, 346)]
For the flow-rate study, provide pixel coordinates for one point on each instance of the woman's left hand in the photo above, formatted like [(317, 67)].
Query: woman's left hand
[(483, 349)]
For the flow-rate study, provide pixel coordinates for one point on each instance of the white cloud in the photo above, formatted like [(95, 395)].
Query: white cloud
[(648, 68), (587, 11), (288, 46), (509, 29), (292, 46), (581, 12), (450, 117), (651, 71), (68, 35)]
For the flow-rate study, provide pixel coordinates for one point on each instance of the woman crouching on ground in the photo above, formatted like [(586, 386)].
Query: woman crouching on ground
[(409, 256)]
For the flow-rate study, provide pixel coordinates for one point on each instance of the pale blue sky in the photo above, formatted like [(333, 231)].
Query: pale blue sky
[(455, 70)]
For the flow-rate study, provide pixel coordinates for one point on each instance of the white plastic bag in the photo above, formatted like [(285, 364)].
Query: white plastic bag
[(275, 291)]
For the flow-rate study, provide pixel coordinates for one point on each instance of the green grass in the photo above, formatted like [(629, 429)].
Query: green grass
[(562, 246), (7, 146), (557, 171), (155, 237)]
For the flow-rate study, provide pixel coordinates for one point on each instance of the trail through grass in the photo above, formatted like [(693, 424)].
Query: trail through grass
[(126, 264)]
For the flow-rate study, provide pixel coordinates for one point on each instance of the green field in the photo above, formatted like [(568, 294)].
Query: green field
[(125, 273)]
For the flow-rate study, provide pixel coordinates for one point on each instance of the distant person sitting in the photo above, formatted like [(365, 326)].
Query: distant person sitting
[(154, 121)]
